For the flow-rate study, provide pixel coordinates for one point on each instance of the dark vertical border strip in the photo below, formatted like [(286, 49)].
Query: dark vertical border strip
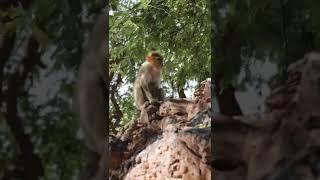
[(212, 69), (108, 84), (211, 19)]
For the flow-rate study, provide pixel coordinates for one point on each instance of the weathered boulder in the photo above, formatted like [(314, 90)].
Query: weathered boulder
[(170, 140), (285, 144)]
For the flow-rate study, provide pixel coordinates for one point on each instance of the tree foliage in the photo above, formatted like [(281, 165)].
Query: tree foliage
[(251, 32), (177, 29), (40, 50), (279, 31)]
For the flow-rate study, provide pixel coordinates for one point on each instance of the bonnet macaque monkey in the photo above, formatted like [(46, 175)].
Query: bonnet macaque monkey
[(92, 99), (147, 83)]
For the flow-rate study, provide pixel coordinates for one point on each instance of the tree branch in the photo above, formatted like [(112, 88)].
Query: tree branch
[(30, 162), (117, 113), (6, 45)]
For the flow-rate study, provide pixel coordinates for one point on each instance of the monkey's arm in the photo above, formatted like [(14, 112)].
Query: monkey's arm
[(151, 90)]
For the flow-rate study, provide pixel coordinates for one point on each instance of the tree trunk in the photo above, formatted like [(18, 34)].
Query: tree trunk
[(227, 101), (29, 162), (181, 92)]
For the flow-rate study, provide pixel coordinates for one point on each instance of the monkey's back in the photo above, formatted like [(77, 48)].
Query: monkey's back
[(146, 75)]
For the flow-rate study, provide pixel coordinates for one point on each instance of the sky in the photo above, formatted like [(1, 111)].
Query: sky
[(249, 99)]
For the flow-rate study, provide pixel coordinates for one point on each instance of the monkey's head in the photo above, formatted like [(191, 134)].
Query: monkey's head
[(155, 59)]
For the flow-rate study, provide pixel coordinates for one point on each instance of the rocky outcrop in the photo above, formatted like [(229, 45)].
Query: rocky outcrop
[(170, 140), (285, 144)]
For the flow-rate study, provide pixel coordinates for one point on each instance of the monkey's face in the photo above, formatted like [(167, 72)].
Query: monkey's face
[(158, 62), (155, 59)]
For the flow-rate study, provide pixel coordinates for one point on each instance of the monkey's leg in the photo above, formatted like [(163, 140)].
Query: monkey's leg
[(151, 91), (161, 94), (139, 97), (156, 94)]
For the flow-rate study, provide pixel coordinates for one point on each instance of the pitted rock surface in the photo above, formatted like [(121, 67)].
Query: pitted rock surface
[(285, 143), (165, 142)]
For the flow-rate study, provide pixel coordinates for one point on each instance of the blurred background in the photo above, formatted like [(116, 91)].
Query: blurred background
[(41, 46), (248, 44), (253, 44)]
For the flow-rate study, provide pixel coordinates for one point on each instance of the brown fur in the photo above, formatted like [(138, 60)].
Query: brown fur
[(147, 84)]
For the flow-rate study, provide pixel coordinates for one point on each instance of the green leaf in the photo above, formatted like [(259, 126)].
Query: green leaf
[(144, 4), (40, 35)]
